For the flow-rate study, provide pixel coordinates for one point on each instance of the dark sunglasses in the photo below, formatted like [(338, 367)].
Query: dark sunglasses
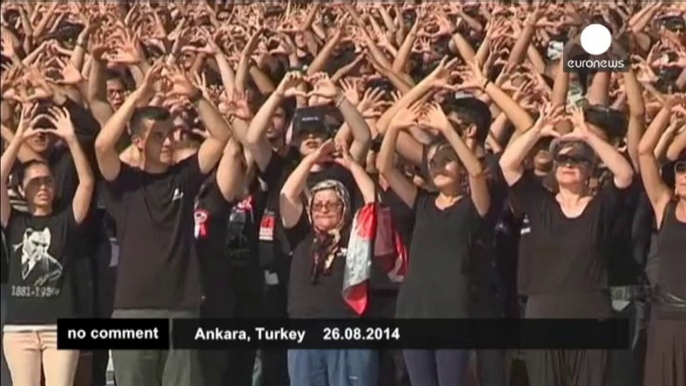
[(680, 167), (571, 160)]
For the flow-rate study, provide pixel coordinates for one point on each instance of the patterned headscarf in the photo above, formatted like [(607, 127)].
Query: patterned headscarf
[(327, 245)]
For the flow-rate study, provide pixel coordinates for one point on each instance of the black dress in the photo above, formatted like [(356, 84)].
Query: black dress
[(666, 354)]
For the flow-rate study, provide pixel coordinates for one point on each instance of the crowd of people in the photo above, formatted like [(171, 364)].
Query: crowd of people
[(193, 159)]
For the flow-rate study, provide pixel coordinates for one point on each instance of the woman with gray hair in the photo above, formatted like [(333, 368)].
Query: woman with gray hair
[(569, 234)]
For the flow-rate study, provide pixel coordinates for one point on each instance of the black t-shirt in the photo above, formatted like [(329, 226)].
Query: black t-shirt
[(671, 241), (40, 274), (154, 216), (211, 223), (438, 282), (273, 244), (567, 255), (321, 299)]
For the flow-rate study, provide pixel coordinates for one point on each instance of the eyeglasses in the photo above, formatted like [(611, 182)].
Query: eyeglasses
[(569, 160), (329, 206)]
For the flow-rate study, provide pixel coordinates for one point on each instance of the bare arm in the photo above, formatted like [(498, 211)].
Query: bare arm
[(96, 93), (6, 162), (362, 137), (291, 200), (405, 189), (658, 193), (106, 142), (477, 178), (636, 127), (231, 171)]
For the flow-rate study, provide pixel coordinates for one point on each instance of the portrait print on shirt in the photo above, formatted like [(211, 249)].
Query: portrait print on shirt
[(39, 248), (38, 267)]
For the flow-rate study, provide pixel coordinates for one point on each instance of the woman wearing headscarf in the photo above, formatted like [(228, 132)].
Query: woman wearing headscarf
[(318, 229), (666, 353), (447, 223), (569, 232)]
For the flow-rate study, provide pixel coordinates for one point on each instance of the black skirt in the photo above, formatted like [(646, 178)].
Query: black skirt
[(666, 354)]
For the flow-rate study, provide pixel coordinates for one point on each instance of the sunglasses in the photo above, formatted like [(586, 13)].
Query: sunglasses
[(680, 167), (571, 160)]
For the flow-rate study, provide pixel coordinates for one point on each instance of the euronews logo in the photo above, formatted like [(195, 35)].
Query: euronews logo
[(595, 49)]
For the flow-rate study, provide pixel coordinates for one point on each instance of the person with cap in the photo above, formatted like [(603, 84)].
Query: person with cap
[(666, 352), (570, 231), (438, 283)]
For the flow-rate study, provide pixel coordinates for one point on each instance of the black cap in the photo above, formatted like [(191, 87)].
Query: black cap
[(323, 119)]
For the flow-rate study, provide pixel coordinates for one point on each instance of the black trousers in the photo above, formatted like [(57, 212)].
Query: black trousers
[(105, 279), (274, 363), (241, 300), (569, 367), (392, 369)]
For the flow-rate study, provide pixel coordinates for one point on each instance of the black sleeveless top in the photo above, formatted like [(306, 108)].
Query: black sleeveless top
[(672, 250)]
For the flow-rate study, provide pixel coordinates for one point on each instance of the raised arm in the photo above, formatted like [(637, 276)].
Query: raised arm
[(362, 179), (385, 160), (256, 138), (477, 178), (291, 198), (362, 138), (637, 112), (613, 160), (231, 171), (658, 192), (512, 160), (23, 132), (64, 129), (106, 142), (211, 149)]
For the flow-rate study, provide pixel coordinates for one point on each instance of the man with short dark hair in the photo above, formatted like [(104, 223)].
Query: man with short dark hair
[(152, 204)]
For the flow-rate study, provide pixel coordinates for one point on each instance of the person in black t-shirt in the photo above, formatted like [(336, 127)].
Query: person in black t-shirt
[(318, 233), (665, 364), (438, 282), (569, 240), (276, 158), (152, 205), (226, 237), (42, 244)]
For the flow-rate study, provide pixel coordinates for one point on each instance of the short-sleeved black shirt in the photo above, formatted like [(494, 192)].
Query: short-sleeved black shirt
[(438, 281), (40, 274), (154, 213), (567, 255)]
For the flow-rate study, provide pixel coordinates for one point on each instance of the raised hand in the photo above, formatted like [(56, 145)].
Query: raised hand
[(345, 159), (322, 85), (27, 121), (127, 52), (581, 132), (61, 119), (549, 115), (70, 75), (181, 85), (289, 85), (325, 150), (434, 118), (371, 103), (440, 76), (407, 117), (350, 91)]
